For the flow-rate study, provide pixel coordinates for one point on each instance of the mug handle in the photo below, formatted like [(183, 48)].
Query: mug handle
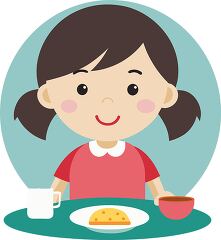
[(59, 199)]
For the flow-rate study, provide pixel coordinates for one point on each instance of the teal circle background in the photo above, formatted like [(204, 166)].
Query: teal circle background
[(181, 162)]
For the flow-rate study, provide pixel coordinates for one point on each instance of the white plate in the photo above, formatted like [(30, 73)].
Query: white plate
[(136, 216)]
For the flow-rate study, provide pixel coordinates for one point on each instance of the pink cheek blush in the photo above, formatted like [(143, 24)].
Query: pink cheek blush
[(69, 106), (145, 106)]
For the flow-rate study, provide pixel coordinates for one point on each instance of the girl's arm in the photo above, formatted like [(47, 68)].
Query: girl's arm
[(58, 185), (157, 190)]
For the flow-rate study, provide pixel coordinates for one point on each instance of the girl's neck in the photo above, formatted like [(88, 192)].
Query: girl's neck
[(106, 144)]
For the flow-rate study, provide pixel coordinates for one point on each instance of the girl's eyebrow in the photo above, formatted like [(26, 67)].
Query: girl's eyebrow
[(135, 71), (80, 70)]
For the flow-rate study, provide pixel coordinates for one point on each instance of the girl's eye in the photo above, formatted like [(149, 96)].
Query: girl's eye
[(132, 89), (82, 89)]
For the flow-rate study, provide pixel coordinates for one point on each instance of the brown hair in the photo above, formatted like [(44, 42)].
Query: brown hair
[(84, 35)]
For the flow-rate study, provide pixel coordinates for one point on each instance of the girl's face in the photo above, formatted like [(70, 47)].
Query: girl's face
[(113, 103)]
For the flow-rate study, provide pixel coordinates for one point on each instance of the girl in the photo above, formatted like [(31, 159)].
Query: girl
[(107, 71)]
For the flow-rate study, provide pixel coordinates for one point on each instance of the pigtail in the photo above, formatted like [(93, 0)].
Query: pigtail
[(33, 116), (179, 118)]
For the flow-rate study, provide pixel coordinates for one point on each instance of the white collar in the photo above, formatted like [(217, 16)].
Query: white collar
[(115, 151)]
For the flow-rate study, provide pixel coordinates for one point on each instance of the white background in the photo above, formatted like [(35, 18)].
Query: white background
[(18, 19)]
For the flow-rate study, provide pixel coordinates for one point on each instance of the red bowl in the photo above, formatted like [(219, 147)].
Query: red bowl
[(176, 207)]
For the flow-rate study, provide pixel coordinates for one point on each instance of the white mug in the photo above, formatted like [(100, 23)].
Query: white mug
[(40, 203)]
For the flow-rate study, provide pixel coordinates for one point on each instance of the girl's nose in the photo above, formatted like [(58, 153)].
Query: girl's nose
[(107, 99)]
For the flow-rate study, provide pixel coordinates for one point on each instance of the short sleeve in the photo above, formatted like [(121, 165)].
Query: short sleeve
[(63, 171), (151, 171)]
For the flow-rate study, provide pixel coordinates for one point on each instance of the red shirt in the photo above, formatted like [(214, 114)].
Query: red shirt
[(122, 174)]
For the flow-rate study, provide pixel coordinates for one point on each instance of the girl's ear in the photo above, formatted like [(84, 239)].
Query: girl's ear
[(171, 96), (43, 97)]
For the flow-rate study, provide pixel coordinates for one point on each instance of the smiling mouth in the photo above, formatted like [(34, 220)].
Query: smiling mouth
[(107, 123)]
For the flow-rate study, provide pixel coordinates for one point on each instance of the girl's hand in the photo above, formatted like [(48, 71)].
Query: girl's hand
[(157, 190), (162, 194), (58, 185), (56, 199)]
